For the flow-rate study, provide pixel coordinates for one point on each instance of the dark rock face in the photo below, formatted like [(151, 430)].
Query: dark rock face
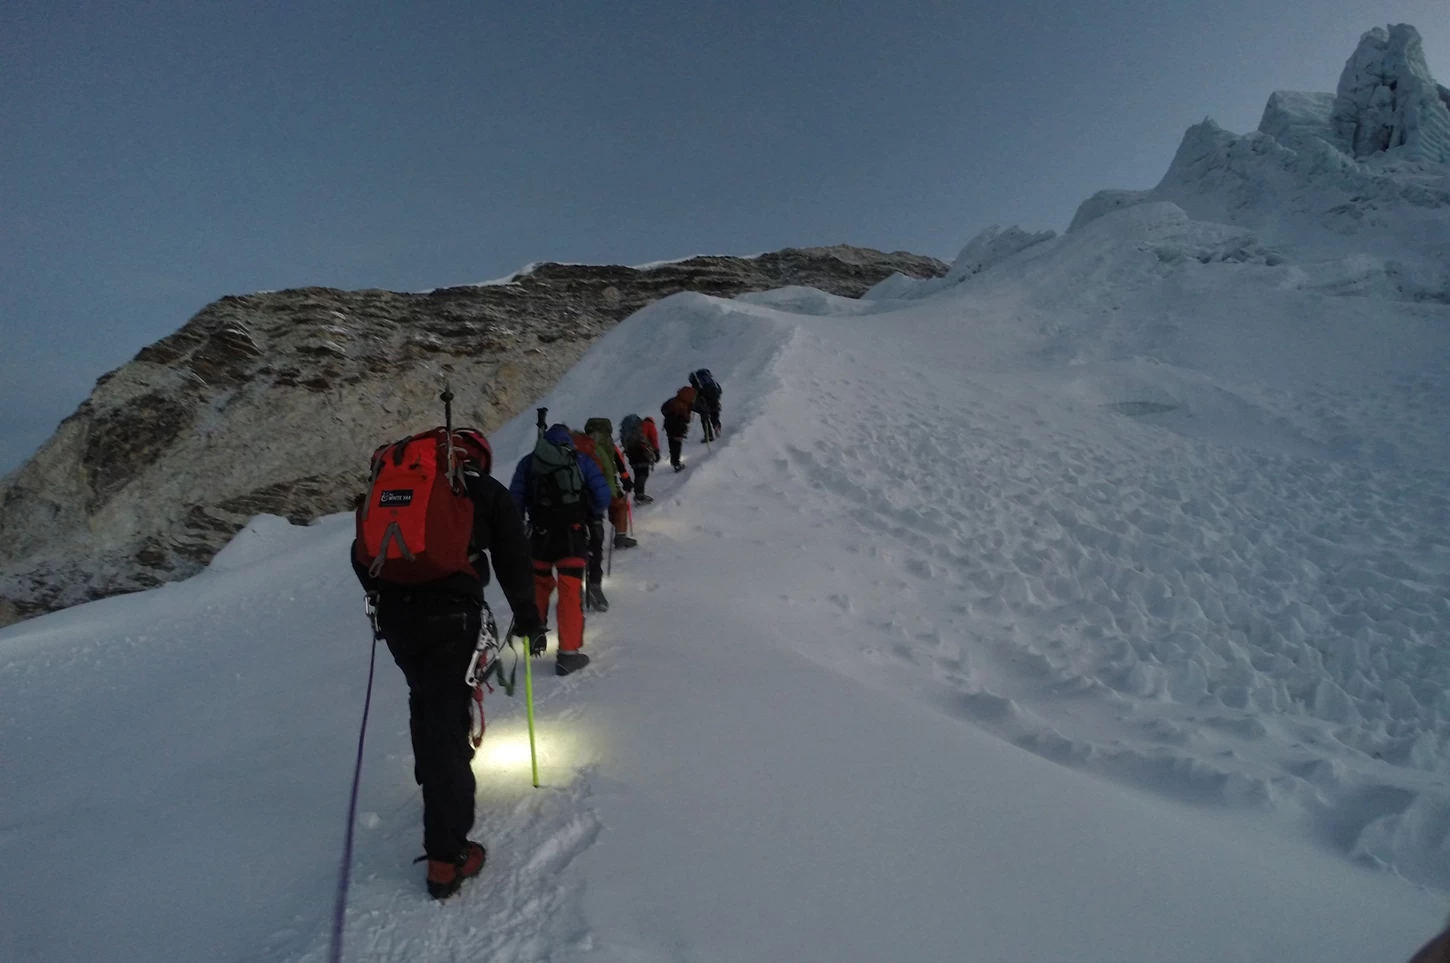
[(121, 442), (262, 403)]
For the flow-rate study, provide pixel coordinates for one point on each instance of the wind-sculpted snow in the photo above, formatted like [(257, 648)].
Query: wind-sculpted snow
[(1388, 103), (1241, 595), (1353, 185), (1154, 502), (992, 246)]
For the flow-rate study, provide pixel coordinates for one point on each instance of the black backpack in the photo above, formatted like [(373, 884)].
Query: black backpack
[(631, 432), (709, 387)]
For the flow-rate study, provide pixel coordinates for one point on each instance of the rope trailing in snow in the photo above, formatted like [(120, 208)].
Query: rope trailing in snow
[(344, 875)]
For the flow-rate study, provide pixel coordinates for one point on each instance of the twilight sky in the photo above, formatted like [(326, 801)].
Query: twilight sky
[(157, 155)]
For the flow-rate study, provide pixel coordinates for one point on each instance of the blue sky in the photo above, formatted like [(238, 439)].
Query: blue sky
[(155, 156)]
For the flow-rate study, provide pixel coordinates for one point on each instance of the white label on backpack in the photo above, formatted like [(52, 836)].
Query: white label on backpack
[(395, 497)]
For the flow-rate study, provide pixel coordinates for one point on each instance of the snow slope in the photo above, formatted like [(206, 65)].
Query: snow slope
[(1094, 607)]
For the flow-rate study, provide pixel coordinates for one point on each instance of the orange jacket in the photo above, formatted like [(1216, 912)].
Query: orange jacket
[(678, 411)]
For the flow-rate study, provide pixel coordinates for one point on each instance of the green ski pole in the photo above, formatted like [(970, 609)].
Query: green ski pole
[(529, 699)]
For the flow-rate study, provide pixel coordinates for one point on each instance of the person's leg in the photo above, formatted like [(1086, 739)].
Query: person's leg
[(641, 475), (571, 604), (434, 655), (543, 586), (675, 445), (396, 622), (596, 551), (448, 796)]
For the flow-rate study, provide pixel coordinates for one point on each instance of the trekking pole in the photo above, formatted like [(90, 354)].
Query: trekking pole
[(609, 556), (629, 510), (529, 701)]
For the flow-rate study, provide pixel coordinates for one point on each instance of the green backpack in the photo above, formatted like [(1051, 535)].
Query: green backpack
[(602, 431), (557, 496)]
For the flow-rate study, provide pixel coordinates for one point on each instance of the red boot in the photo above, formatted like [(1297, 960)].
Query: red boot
[(445, 877)]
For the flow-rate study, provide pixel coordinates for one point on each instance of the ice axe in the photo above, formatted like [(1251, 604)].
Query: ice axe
[(455, 470)]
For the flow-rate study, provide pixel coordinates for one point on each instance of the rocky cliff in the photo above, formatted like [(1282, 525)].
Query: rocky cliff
[(271, 403)]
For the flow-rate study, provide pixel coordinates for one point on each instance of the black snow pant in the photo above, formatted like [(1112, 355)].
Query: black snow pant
[(675, 446), (432, 640), (640, 471), (596, 552)]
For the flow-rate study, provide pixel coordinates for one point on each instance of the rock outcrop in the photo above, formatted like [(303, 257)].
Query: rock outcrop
[(271, 402)]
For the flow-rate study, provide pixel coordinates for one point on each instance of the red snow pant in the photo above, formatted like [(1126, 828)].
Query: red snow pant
[(571, 597), (619, 514)]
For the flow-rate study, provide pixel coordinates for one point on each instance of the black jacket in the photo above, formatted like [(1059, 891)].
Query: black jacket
[(497, 530)]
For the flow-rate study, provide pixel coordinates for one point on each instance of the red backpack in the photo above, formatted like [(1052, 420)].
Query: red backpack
[(586, 445), (675, 410), (416, 522)]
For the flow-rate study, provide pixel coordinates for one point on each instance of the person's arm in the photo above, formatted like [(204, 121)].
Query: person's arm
[(519, 487), (369, 584), (499, 528), (625, 481)]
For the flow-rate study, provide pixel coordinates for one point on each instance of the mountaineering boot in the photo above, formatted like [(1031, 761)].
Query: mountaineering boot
[(643, 499), (570, 662), (594, 599), (622, 540), (445, 876), (678, 466)]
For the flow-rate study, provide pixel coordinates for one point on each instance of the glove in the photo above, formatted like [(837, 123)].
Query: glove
[(627, 483), (536, 640)]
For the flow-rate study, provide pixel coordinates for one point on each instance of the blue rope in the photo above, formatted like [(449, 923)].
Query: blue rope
[(344, 876)]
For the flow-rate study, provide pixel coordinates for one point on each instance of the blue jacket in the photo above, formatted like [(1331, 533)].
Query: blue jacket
[(594, 482)]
